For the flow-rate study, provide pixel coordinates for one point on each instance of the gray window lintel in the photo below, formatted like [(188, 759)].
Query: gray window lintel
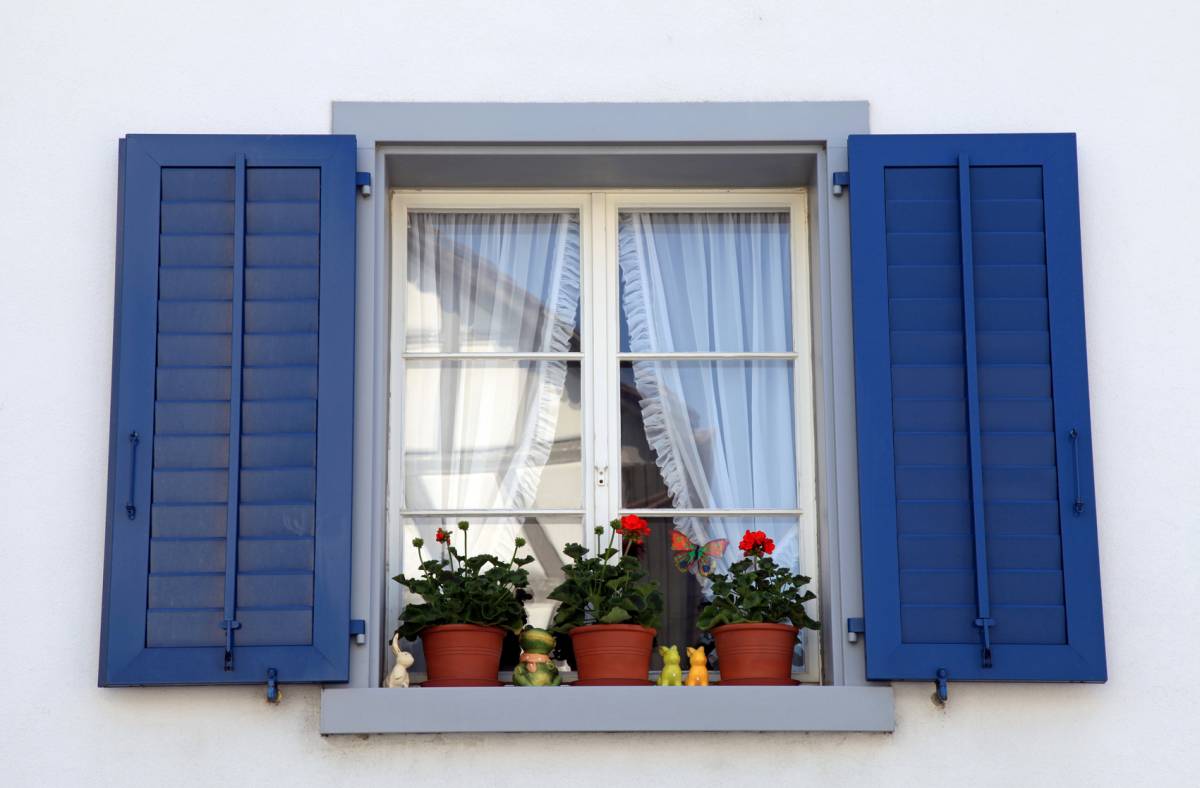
[(823, 122)]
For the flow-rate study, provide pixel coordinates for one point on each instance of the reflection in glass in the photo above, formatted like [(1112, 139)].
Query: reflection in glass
[(545, 539), (707, 435), (715, 281), (492, 435), (492, 282)]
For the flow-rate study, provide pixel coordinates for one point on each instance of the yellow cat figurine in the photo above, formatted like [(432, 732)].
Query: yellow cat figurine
[(698, 670), (672, 674)]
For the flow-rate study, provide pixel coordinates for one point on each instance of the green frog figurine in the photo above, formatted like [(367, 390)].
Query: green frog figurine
[(536, 668)]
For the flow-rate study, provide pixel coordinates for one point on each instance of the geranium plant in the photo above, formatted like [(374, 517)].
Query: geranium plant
[(599, 590), (758, 590), (459, 588)]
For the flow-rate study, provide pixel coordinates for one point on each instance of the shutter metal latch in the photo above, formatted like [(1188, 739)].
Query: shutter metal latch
[(130, 507), (229, 625), (841, 180), (985, 625), (362, 181), (854, 628), (274, 694), (943, 691), (358, 630), (1074, 436)]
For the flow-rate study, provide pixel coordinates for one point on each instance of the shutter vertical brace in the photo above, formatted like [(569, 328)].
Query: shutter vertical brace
[(230, 622), (983, 618)]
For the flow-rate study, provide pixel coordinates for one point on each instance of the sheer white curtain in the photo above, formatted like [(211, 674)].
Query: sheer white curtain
[(721, 431), (478, 433)]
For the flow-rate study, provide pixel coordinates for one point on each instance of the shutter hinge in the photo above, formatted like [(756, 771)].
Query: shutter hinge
[(229, 625), (274, 694), (943, 691), (854, 628), (841, 180), (358, 630), (362, 181)]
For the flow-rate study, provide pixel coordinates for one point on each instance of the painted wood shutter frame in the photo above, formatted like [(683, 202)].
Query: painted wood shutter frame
[(979, 541), (233, 370)]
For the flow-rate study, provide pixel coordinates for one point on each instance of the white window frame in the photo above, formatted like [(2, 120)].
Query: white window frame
[(600, 358)]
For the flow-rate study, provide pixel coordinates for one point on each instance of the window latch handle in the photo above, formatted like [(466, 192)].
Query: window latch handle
[(601, 476)]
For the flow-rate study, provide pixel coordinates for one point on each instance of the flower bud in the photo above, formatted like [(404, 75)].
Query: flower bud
[(418, 543), (463, 525), (520, 542)]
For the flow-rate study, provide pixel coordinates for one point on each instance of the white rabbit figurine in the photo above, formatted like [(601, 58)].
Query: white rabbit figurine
[(399, 675)]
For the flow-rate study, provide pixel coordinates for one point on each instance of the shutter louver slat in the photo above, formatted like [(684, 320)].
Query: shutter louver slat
[(970, 374)]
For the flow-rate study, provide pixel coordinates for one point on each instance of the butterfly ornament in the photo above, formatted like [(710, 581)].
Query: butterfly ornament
[(691, 557)]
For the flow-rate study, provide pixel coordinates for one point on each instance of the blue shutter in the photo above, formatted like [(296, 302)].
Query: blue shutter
[(974, 443), (227, 551)]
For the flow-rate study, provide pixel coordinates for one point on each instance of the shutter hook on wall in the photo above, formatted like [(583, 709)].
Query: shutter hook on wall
[(942, 694), (274, 694)]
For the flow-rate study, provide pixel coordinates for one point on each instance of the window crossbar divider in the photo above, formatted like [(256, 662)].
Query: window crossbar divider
[(704, 356), (667, 513), (490, 356), (497, 513)]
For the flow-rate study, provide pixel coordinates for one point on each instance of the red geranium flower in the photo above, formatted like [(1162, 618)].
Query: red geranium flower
[(633, 528), (443, 536), (756, 543)]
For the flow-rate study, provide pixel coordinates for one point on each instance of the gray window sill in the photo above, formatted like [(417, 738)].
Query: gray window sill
[(496, 709)]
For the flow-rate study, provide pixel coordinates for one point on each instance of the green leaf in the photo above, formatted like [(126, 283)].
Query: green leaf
[(615, 616)]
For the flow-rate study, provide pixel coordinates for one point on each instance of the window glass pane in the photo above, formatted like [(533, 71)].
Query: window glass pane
[(707, 435), (492, 435), (544, 537), (492, 282), (684, 592), (705, 282)]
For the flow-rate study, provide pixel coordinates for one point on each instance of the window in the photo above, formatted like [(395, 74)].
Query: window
[(940, 403), (566, 358)]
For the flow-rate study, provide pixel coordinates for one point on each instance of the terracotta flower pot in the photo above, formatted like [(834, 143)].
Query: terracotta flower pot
[(755, 653), (612, 654), (462, 655)]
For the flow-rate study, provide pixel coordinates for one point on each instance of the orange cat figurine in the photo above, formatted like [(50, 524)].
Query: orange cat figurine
[(698, 669)]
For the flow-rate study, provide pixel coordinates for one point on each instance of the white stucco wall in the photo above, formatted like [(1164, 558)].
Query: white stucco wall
[(75, 76)]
